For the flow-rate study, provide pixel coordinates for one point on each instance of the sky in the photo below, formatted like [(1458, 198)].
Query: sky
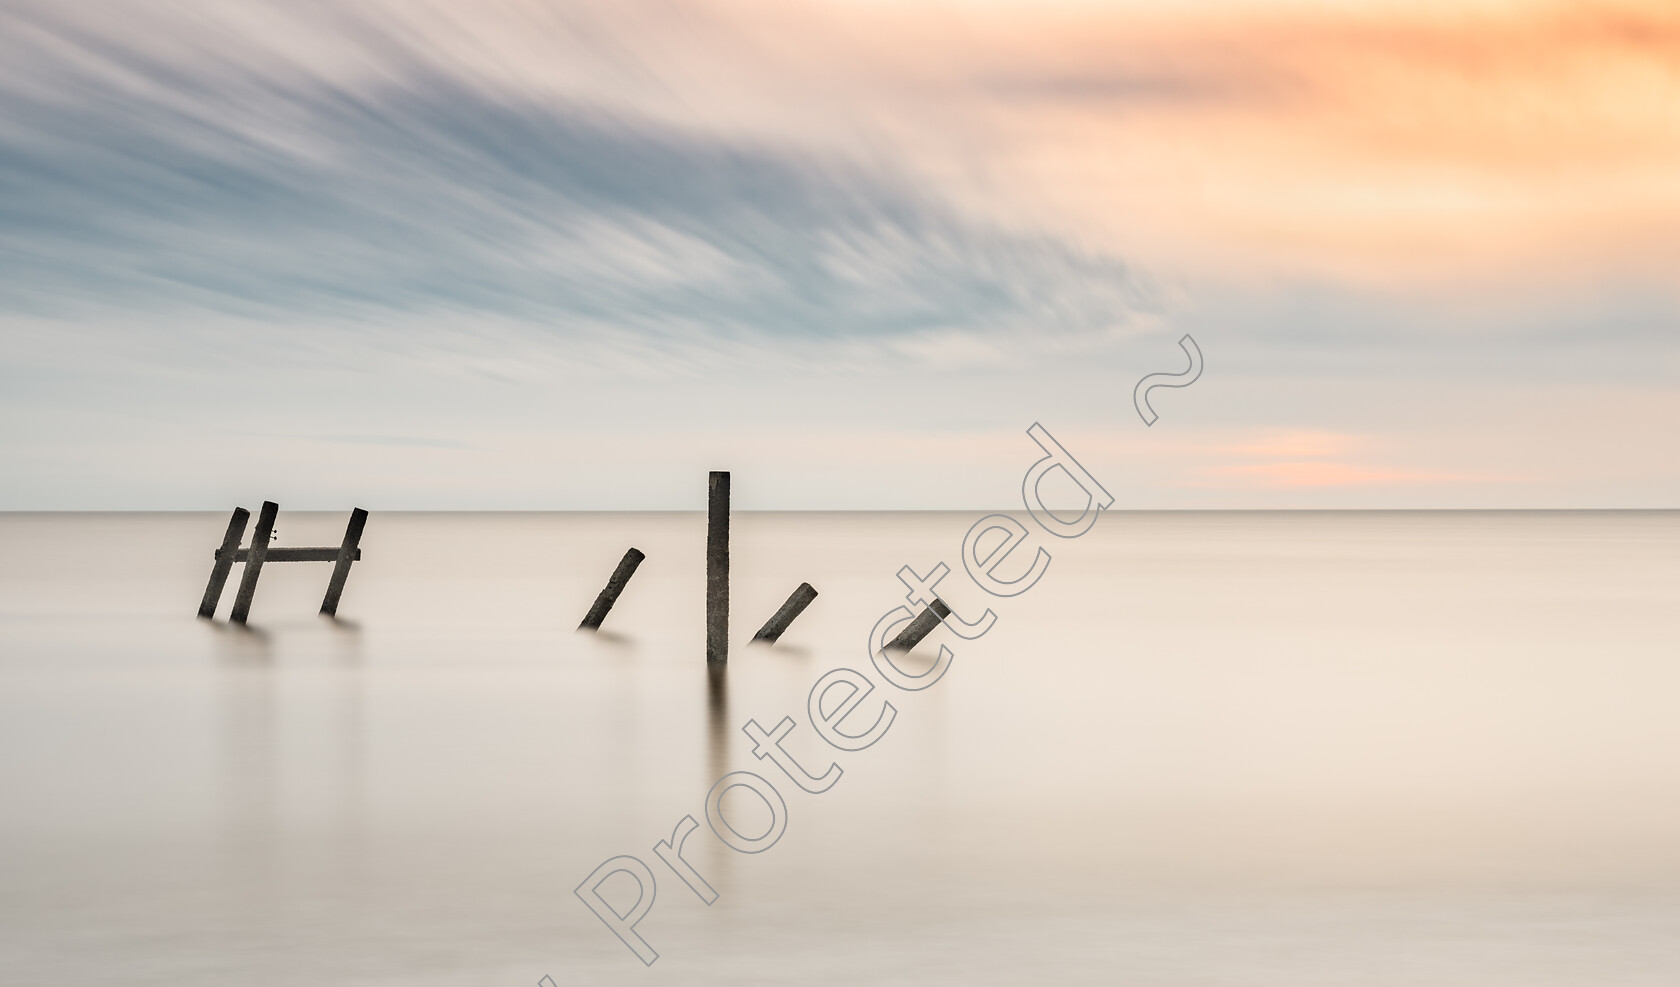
[(521, 255)]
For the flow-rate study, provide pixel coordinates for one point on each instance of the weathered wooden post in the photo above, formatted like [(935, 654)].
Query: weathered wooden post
[(254, 562), (348, 552), (717, 567), (609, 594), (224, 562), (921, 627), (779, 621)]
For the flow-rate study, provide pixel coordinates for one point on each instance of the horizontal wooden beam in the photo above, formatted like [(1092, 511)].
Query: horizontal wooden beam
[(292, 555)]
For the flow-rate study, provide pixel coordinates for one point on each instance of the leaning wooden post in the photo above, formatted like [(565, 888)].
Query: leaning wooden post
[(254, 562), (717, 567), (921, 627), (609, 593), (224, 562), (347, 553), (778, 622)]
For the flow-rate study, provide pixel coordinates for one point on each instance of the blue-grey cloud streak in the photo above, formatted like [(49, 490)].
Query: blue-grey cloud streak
[(239, 183)]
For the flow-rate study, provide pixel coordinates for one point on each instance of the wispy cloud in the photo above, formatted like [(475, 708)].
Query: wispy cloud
[(391, 440), (259, 184)]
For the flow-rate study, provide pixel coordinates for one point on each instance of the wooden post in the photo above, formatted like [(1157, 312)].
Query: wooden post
[(254, 562), (717, 567), (795, 605), (348, 552), (921, 627), (224, 562), (609, 594)]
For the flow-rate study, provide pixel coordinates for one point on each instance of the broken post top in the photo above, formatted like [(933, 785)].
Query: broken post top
[(921, 627), (615, 585), (796, 603)]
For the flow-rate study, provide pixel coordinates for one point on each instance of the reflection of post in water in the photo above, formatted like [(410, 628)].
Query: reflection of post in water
[(717, 718), (346, 636), (350, 765), (935, 788), (717, 761), (241, 644), (248, 777)]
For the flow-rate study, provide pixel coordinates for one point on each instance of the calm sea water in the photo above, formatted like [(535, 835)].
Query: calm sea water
[(1212, 748)]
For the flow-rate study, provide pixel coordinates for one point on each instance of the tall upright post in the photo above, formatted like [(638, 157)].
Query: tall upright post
[(224, 562), (346, 555), (717, 567), (254, 562)]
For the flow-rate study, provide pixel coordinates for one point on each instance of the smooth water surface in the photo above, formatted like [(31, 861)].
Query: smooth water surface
[(1206, 748)]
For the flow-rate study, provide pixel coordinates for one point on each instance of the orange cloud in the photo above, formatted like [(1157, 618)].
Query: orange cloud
[(1293, 444), (1360, 139), (1299, 473), (1303, 459)]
